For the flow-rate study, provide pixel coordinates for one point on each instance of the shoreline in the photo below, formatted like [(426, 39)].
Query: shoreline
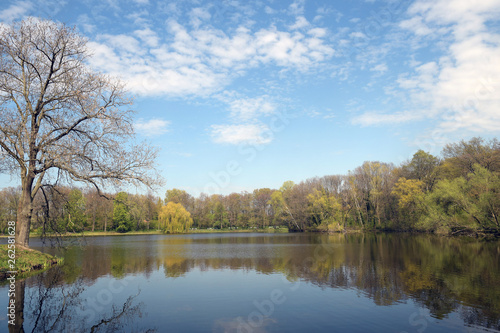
[(27, 261), (157, 232)]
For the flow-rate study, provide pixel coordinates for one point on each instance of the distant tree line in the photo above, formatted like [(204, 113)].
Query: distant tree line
[(457, 192)]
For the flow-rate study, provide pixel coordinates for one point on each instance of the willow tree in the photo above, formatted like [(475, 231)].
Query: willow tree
[(60, 120), (174, 218)]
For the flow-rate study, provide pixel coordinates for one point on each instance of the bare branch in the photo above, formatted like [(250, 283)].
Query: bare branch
[(58, 115)]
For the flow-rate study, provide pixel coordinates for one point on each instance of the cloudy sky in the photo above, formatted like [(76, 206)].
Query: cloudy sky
[(247, 94)]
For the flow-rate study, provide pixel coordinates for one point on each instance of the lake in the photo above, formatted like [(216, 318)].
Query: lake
[(254, 282)]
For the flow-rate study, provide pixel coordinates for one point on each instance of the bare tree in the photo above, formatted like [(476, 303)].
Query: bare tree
[(60, 120)]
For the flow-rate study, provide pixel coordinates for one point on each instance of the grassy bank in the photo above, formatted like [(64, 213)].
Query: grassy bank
[(99, 233), (27, 260)]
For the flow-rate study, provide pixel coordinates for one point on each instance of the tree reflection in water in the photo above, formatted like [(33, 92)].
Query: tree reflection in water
[(442, 275), (52, 305)]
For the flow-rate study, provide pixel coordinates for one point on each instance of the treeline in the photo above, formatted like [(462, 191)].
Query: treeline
[(456, 192), (62, 209)]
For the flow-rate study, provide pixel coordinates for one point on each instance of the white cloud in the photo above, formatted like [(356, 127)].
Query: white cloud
[(357, 34), (268, 10), (380, 68), (148, 36), (198, 16), (467, 17), (460, 89), (123, 43), (152, 127), (297, 7), (417, 26), (379, 118), (317, 32), (247, 109), (85, 22), (247, 115), (257, 134), (200, 61), (300, 23), (15, 11)]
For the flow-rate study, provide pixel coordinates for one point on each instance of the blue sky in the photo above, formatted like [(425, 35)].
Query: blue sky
[(247, 94)]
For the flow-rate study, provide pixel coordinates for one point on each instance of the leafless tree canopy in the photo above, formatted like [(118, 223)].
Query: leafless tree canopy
[(59, 118)]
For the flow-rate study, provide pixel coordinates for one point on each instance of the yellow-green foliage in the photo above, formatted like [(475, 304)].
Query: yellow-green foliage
[(324, 208), (409, 192), (174, 218), (410, 195), (471, 202)]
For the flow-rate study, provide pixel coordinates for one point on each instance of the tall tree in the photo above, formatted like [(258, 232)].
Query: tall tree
[(180, 196), (233, 207), (370, 184), (75, 218), (261, 205), (122, 221), (410, 198), (461, 156), (9, 198), (469, 202), (99, 209), (61, 118), (324, 209), (422, 167)]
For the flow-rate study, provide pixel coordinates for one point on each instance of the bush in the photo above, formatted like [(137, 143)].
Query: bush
[(122, 228)]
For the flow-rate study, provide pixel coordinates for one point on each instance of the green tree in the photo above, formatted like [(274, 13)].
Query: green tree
[(261, 207), (466, 202), (423, 167), (370, 185), (325, 210), (217, 215), (121, 213), (179, 196), (233, 205), (485, 191), (280, 202), (75, 217), (174, 218), (9, 198), (410, 198), (279, 208)]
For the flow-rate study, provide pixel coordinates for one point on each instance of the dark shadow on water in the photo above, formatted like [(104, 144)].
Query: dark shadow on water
[(46, 303)]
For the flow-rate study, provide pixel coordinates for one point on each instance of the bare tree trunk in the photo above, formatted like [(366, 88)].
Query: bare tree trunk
[(358, 209), (24, 213), (93, 221)]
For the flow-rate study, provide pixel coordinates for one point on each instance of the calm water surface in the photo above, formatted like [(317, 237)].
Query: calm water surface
[(265, 283)]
